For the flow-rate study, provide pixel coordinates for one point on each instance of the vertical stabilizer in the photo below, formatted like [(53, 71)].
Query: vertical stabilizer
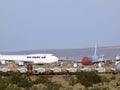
[(95, 52), (95, 57)]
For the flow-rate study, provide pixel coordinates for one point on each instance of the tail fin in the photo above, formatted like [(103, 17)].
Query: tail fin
[(95, 52), (95, 57)]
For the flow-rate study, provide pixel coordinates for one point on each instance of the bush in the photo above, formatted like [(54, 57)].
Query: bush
[(50, 85), (53, 86), (41, 80), (12, 87), (71, 79), (3, 83), (21, 80), (112, 78), (88, 78), (105, 79)]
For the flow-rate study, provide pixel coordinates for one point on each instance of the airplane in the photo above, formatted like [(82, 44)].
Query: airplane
[(91, 60), (32, 58), (117, 58)]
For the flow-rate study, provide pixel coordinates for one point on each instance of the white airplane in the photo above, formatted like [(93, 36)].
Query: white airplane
[(32, 58)]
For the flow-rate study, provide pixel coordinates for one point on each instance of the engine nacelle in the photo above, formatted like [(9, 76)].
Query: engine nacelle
[(3, 62), (117, 67), (20, 63)]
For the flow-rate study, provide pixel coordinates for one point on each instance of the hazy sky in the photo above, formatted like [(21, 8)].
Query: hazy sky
[(56, 24)]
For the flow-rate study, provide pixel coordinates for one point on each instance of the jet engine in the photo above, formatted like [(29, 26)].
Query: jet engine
[(117, 67), (21, 63), (3, 62)]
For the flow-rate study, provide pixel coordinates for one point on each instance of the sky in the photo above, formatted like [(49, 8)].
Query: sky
[(58, 24)]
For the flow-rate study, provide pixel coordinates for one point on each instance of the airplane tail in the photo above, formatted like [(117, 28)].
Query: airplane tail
[(95, 52), (95, 57)]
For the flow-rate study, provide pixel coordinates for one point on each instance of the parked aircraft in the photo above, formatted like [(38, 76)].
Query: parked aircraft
[(90, 60), (32, 58), (117, 57)]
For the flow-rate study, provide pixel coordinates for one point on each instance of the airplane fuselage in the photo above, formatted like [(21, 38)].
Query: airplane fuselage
[(34, 58)]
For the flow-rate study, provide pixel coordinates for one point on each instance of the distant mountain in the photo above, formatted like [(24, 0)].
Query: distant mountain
[(109, 52)]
